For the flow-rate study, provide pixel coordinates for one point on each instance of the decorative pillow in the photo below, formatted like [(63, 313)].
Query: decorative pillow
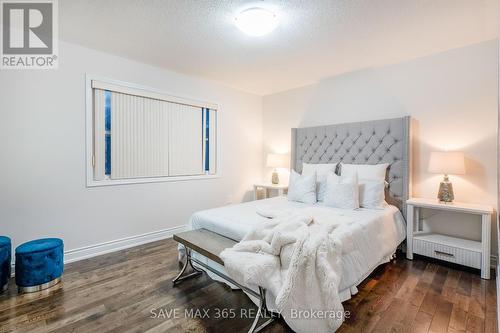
[(371, 179), (372, 194), (342, 191), (366, 171), (302, 188), (322, 171)]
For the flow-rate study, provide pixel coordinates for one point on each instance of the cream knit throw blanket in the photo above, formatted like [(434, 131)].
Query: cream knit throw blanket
[(296, 257)]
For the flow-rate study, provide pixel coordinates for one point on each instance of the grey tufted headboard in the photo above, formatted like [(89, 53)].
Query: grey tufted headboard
[(368, 142)]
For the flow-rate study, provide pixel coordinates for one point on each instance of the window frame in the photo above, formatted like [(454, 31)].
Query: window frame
[(89, 134)]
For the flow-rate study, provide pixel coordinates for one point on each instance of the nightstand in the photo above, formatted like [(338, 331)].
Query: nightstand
[(461, 251), (267, 187)]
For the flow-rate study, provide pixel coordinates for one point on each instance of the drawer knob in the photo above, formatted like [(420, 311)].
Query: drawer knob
[(444, 253)]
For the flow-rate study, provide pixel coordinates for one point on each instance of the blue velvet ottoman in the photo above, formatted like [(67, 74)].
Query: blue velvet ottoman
[(39, 264), (5, 258)]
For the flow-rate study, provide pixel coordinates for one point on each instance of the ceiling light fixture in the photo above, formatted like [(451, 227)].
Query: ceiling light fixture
[(256, 21)]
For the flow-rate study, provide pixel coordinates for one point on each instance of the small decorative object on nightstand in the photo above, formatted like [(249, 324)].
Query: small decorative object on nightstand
[(267, 187), (461, 251), (450, 162), (276, 161)]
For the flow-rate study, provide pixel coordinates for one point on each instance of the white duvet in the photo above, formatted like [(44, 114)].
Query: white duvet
[(369, 237)]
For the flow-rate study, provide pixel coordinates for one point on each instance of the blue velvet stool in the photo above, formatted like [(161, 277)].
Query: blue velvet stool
[(5, 258), (39, 264)]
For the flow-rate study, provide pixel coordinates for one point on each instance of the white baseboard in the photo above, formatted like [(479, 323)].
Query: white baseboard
[(119, 244), (116, 245)]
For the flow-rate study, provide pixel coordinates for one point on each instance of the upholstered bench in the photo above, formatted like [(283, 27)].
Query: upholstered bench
[(39, 264), (5, 258), (210, 244)]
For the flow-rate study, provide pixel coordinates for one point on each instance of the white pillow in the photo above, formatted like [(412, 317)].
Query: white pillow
[(371, 179), (302, 188), (372, 194), (342, 191), (322, 171), (366, 171)]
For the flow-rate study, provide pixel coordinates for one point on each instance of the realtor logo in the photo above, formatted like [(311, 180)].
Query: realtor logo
[(29, 34)]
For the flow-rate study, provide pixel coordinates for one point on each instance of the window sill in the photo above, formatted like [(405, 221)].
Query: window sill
[(113, 182)]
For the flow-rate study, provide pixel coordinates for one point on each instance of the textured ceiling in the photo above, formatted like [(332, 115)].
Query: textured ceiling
[(315, 38)]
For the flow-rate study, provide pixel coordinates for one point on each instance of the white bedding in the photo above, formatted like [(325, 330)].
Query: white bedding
[(369, 236)]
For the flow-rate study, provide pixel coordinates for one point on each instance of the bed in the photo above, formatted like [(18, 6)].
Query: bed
[(370, 237), (366, 233)]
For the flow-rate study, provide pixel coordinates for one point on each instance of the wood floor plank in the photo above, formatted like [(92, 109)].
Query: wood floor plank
[(441, 318), (465, 284), (458, 319), (421, 323), (430, 302), (119, 292), (474, 324)]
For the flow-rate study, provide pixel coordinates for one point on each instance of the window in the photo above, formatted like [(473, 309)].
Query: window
[(138, 135)]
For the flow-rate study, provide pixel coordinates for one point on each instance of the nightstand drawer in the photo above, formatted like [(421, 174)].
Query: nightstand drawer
[(447, 252)]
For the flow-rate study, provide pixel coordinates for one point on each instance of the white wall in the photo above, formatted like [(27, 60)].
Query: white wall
[(42, 144), (451, 96)]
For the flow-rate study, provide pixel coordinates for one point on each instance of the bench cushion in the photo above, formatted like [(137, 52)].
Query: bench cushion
[(205, 242)]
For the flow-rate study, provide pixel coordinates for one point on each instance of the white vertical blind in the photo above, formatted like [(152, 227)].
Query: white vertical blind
[(139, 139), (213, 142), (151, 136), (185, 140), (99, 134)]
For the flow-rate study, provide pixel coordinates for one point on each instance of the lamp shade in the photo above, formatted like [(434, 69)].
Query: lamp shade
[(277, 160), (448, 162)]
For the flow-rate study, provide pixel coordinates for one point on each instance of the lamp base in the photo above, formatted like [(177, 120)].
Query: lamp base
[(275, 179), (445, 193)]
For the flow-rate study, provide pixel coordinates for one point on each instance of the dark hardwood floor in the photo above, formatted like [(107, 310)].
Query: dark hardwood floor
[(131, 291)]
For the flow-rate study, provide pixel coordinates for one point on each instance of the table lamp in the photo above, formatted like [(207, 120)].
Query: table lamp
[(449, 162), (276, 161)]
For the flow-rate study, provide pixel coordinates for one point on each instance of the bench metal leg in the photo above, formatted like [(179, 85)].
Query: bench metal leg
[(189, 262), (262, 312)]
